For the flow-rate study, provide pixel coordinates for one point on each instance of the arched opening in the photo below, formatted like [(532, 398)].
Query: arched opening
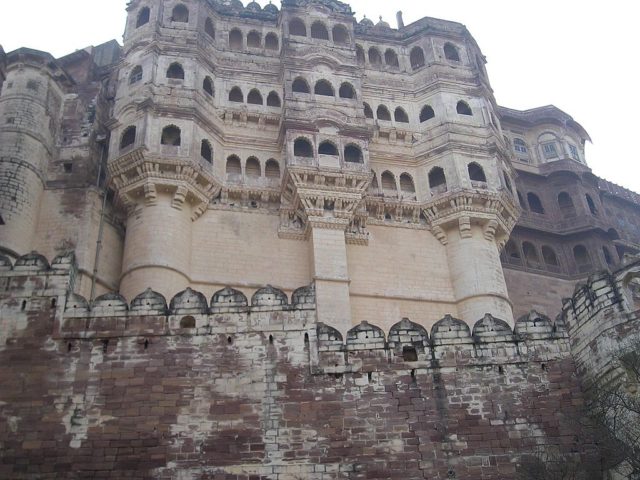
[(426, 113), (300, 85), (272, 169), (607, 256), (206, 151), (319, 31), (400, 115), (437, 180), (463, 108), (188, 322), (374, 56), (128, 137), (549, 256), (340, 35), (368, 113), (171, 136), (476, 173), (175, 71), (273, 100), (254, 39), (207, 86), (565, 203), (582, 259), (388, 181), (136, 75), (302, 148), (520, 147), (297, 28), (591, 204), (271, 41), (254, 97), (328, 148), (323, 87), (417, 58), (383, 113), (236, 95), (391, 58), (406, 184), (143, 17), (451, 52), (535, 205), (235, 39), (530, 255), (209, 28), (512, 254), (180, 14), (233, 167), (353, 154), (252, 168), (360, 55), (347, 90)]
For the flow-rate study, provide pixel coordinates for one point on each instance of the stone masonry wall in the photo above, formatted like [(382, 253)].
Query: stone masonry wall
[(238, 389)]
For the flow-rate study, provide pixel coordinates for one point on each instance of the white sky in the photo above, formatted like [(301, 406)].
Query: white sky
[(577, 55)]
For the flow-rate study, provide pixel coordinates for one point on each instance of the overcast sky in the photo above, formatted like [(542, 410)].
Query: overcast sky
[(579, 56)]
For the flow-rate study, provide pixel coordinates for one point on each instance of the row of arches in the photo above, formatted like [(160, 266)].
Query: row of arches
[(565, 204), (252, 168), (254, 97), (302, 147), (171, 136), (400, 115), (324, 88), (319, 31), (391, 185), (375, 57), (545, 257)]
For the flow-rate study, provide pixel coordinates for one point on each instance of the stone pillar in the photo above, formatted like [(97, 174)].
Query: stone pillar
[(329, 253), (157, 249)]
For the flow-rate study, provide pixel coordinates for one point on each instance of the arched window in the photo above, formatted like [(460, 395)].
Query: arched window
[(340, 35), (171, 136), (531, 255), (143, 17), (300, 85), (252, 168), (549, 256), (206, 151), (406, 184), (463, 108), (400, 115), (368, 113), (437, 180), (273, 100), (383, 113), (591, 204), (136, 75), (254, 97), (209, 28), (207, 86), (360, 55), (417, 58), (565, 203), (175, 71), (373, 187), (327, 148), (582, 259), (128, 137), (476, 173), (180, 14), (520, 147), (323, 87), (319, 30), (512, 253), (374, 56), (353, 154), (235, 39), (391, 58), (272, 169), (236, 95), (451, 52), (535, 205), (233, 167), (297, 27), (607, 255), (271, 41), (347, 90), (426, 113), (254, 39), (302, 148), (388, 181)]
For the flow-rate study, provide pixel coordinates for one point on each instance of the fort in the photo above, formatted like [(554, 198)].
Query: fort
[(279, 243)]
